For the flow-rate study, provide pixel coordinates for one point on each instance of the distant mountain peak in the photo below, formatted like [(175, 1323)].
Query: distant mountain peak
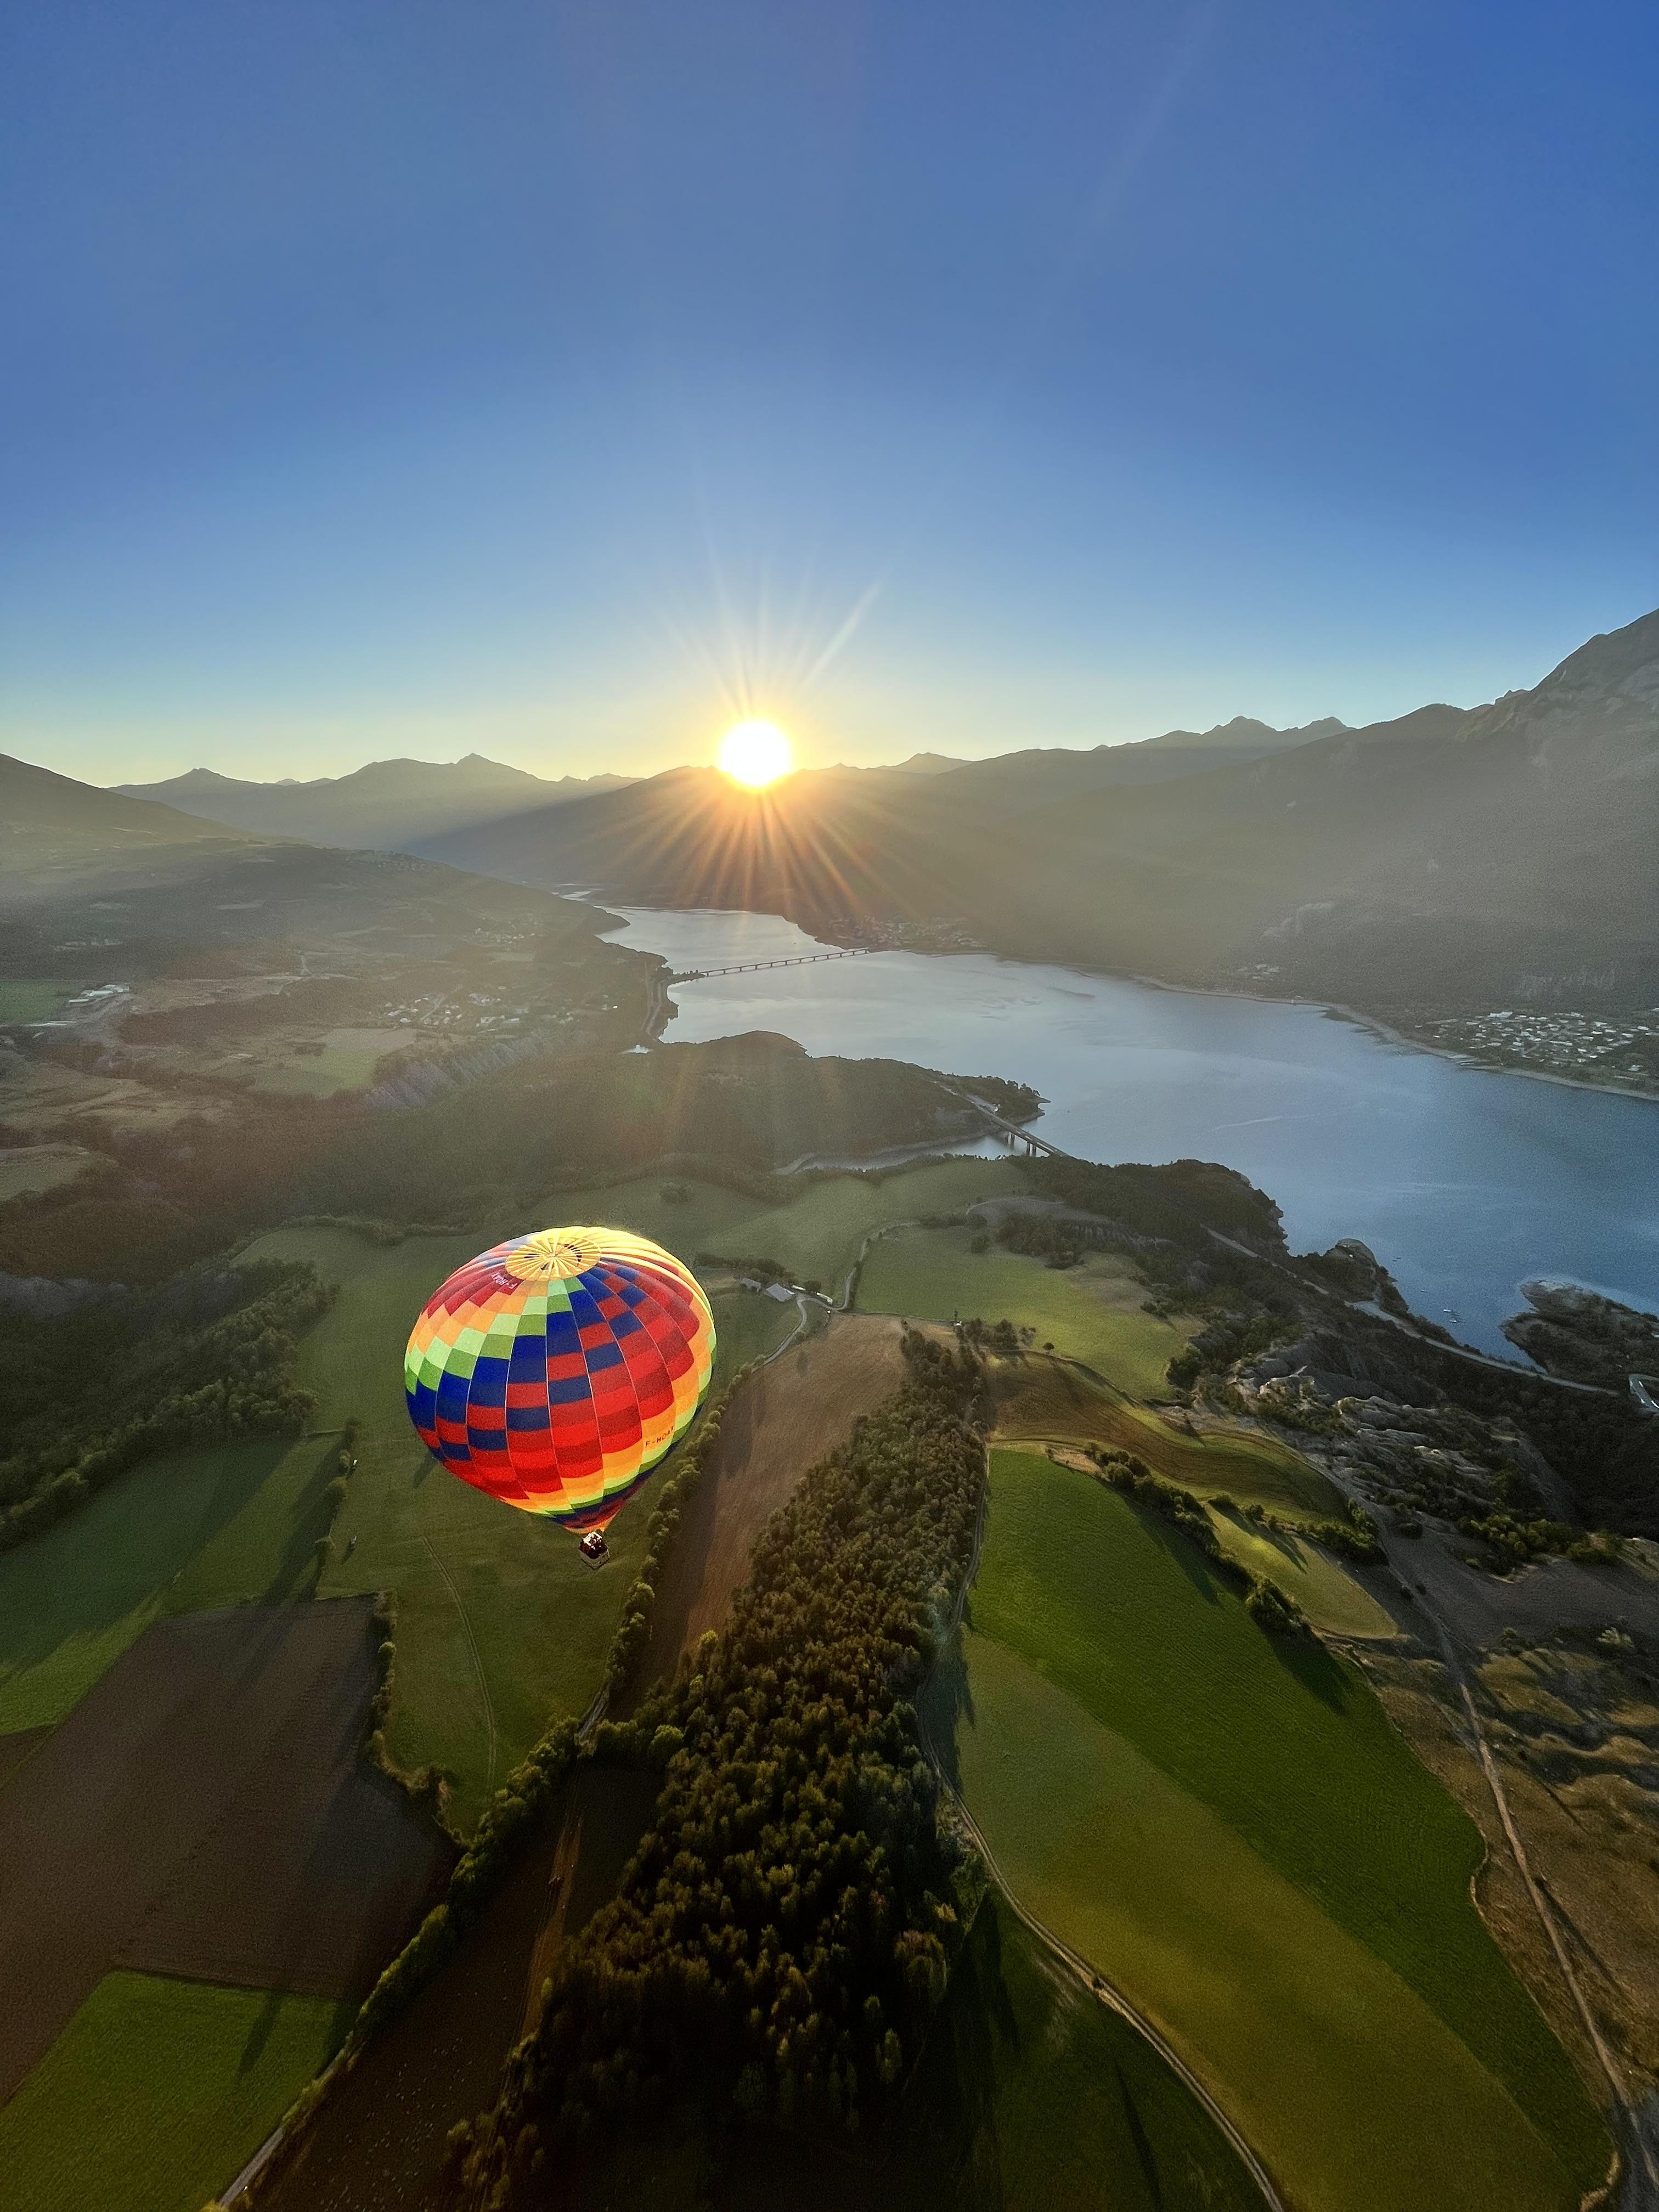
[(928, 764), (388, 805)]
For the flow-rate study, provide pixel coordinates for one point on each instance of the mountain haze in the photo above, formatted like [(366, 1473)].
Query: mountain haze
[(386, 805), (1448, 856), (50, 825)]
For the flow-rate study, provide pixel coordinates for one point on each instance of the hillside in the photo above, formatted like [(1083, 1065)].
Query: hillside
[(52, 826), (1450, 857), (1507, 851), (385, 805), (1020, 782)]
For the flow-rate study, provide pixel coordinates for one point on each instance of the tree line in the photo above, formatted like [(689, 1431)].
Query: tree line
[(92, 1392), (1271, 1606), (782, 1937)]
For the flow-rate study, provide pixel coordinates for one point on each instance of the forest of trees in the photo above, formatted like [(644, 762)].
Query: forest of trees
[(92, 1392), (783, 1935)]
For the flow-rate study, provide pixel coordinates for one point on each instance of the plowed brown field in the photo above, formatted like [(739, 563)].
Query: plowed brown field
[(796, 1409), (205, 1811)]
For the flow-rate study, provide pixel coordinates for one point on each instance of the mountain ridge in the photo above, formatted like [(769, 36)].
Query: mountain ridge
[(1448, 856), (384, 805)]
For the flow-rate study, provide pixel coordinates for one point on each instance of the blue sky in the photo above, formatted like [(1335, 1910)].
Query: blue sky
[(561, 382)]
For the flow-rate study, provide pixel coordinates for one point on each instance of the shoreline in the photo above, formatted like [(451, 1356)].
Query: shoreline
[(1382, 1029), (1335, 1009)]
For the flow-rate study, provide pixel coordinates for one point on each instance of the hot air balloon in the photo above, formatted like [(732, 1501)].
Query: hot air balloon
[(555, 1371)]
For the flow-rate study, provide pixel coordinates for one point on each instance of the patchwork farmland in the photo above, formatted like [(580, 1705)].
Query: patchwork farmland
[(206, 1813), (1230, 1830)]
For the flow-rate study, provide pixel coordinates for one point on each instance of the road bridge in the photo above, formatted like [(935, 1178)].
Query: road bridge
[(1016, 1132), (754, 967)]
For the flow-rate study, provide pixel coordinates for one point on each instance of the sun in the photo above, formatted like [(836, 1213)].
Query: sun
[(756, 754)]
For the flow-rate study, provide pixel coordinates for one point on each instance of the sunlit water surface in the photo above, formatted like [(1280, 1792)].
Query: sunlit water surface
[(1464, 1182)]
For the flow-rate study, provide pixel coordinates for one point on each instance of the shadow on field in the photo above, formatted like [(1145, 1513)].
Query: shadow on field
[(378, 2143), (1303, 1654), (1199, 1571), (205, 1813), (307, 1521), (946, 1703), (1316, 1668), (101, 1564)]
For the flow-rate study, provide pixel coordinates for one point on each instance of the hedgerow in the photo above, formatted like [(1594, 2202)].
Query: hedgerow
[(1271, 1607)]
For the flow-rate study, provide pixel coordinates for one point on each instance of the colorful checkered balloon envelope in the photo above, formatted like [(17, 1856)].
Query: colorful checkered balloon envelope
[(555, 1371)]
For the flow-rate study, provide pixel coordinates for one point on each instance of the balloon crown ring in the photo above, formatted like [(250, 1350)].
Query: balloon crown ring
[(552, 1256)]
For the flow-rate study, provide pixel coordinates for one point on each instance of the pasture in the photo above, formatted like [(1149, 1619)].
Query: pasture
[(816, 1235), (1334, 1601), (1229, 1828), (750, 1328), (1046, 1402), (347, 1063), (73, 1599), (26, 999), (1038, 2091), (158, 2093), (1091, 1313), (27, 1170)]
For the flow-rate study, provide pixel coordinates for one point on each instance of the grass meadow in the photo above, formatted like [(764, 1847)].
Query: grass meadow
[(157, 2093), (24, 1000), (817, 1236), (72, 1599), (1092, 1312), (499, 1624), (36, 1168), (1054, 2091), (1231, 1829), (1332, 1599), (1044, 1399)]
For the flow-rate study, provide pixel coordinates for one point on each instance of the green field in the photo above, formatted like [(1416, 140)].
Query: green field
[(1046, 1400), (347, 1063), (1050, 2092), (25, 1000), (817, 1236), (1092, 1312), (1333, 1601), (28, 1170), (749, 1327), (499, 1624), (321, 1074), (72, 1600), (1229, 1828), (157, 2093)]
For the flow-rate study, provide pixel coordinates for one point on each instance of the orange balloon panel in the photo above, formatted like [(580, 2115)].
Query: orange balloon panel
[(555, 1371)]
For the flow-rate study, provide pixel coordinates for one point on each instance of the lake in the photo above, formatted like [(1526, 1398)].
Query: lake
[(1464, 1181)]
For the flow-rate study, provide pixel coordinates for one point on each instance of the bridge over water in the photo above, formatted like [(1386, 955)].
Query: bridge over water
[(753, 967)]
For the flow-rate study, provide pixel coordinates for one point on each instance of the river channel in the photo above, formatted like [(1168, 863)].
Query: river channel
[(1465, 1182)]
